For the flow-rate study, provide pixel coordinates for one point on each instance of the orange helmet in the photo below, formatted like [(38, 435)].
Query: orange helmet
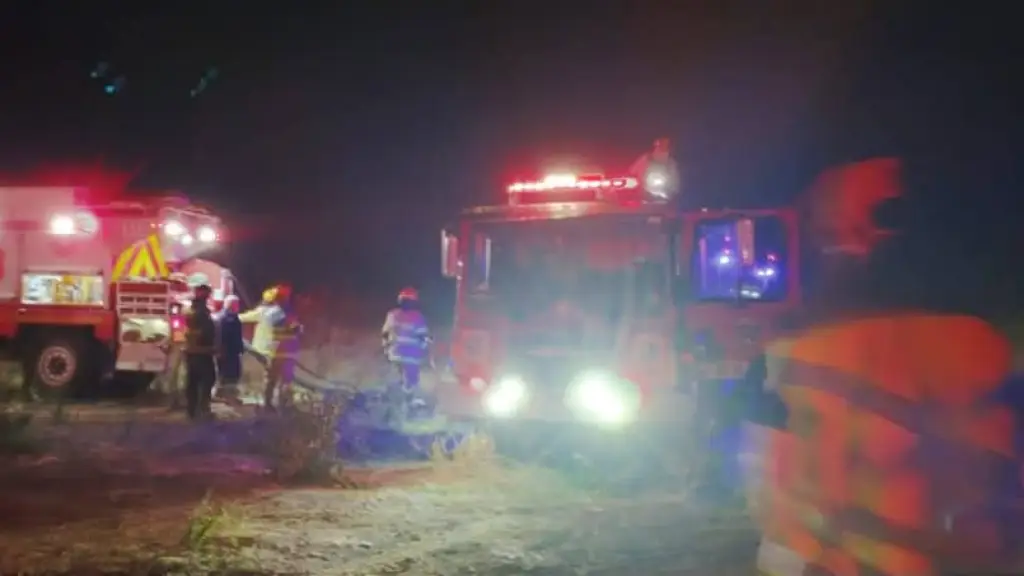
[(845, 203), (408, 294)]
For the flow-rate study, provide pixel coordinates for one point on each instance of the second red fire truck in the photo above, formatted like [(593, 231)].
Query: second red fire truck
[(85, 287), (586, 298)]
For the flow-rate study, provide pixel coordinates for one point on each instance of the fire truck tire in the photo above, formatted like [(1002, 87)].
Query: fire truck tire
[(56, 366)]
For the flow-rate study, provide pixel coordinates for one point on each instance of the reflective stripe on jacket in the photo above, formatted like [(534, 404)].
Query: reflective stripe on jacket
[(405, 333), (200, 332), (893, 462)]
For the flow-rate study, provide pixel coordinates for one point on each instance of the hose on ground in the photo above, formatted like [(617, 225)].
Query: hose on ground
[(306, 378)]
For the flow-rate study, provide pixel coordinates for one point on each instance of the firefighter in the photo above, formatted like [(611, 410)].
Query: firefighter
[(657, 171), (172, 381), (232, 345), (406, 338), (894, 459), (262, 335), (276, 338), (200, 352)]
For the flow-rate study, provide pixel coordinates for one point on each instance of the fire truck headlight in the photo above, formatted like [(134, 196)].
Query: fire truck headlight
[(506, 397), (187, 240), (207, 235), (603, 398), (62, 225), (174, 228)]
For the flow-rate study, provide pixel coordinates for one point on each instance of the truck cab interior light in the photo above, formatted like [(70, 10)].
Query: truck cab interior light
[(62, 225), (174, 228), (207, 235)]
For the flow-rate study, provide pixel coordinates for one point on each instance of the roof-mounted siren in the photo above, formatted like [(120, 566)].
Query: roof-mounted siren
[(572, 188), (660, 182)]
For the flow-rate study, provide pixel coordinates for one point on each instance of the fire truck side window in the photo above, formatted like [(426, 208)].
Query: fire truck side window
[(479, 253), (718, 272)]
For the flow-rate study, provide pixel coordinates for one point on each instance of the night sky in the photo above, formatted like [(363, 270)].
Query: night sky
[(337, 137)]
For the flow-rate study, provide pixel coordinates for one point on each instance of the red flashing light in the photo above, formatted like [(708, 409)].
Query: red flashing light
[(558, 182)]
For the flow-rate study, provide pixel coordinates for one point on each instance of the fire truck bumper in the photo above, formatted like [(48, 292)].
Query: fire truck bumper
[(597, 408), (555, 433), (647, 454)]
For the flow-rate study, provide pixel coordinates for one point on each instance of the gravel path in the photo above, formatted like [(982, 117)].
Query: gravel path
[(520, 521), (125, 490)]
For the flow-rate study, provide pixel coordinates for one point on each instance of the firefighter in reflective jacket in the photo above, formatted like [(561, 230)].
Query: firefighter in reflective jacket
[(894, 460), (657, 171), (262, 335), (406, 338), (200, 352), (276, 338)]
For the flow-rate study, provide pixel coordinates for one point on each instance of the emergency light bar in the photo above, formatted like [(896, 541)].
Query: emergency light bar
[(559, 182)]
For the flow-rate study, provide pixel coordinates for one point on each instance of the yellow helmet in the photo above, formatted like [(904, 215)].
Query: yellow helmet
[(270, 295)]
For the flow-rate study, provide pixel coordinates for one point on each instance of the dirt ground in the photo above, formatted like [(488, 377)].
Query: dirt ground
[(150, 494)]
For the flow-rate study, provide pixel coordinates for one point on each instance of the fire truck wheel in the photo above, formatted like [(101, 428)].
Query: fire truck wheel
[(56, 367)]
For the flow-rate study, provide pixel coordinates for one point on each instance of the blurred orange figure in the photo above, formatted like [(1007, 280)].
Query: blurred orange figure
[(892, 460)]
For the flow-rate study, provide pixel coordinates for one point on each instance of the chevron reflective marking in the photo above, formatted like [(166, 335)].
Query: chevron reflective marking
[(156, 252), (124, 261), (143, 265)]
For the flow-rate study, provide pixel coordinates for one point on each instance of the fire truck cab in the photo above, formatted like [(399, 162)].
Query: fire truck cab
[(84, 287), (588, 299)]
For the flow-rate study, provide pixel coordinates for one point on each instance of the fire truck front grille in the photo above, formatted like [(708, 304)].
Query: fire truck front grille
[(548, 376), (565, 337)]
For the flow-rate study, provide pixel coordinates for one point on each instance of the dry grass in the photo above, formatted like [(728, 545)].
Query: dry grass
[(439, 517), (66, 519), (95, 506)]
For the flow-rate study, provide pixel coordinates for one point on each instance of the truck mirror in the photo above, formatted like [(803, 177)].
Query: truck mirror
[(449, 255), (745, 240)]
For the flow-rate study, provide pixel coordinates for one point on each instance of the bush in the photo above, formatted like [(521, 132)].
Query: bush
[(15, 432), (304, 439)]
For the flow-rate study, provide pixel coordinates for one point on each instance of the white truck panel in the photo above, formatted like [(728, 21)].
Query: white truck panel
[(33, 206), (9, 280), (35, 203)]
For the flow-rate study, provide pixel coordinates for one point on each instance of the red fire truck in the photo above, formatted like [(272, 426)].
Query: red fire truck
[(585, 298), (84, 287)]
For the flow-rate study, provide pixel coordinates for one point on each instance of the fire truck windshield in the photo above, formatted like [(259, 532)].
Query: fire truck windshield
[(719, 272), (599, 268)]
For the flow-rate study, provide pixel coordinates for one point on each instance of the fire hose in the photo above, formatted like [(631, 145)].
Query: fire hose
[(306, 378)]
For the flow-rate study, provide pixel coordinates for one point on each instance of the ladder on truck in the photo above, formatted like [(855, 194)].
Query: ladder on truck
[(143, 310)]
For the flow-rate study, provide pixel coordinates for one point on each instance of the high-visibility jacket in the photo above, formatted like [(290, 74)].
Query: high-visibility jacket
[(893, 462), (200, 332), (405, 335), (277, 331)]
